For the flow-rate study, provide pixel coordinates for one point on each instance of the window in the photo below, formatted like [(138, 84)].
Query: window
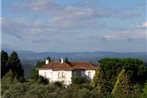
[(89, 74), (61, 75), (77, 73)]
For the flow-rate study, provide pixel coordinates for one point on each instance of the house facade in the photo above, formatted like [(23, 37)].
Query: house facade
[(64, 71)]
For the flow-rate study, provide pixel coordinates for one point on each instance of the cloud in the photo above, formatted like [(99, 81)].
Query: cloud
[(52, 8), (58, 24), (128, 35), (41, 41), (144, 24), (109, 37)]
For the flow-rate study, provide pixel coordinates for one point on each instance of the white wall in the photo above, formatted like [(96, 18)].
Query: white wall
[(47, 73), (92, 73), (53, 75), (67, 79)]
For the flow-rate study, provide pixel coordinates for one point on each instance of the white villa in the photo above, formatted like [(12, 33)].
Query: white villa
[(64, 71)]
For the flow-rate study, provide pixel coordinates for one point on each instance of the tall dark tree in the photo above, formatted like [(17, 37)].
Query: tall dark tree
[(15, 65), (66, 60), (4, 59), (49, 58)]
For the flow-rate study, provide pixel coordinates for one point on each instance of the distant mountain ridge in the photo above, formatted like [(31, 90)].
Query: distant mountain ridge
[(79, 55)]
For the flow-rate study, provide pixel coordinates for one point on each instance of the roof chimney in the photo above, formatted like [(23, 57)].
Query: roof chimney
[(62, 60), (46, 61)]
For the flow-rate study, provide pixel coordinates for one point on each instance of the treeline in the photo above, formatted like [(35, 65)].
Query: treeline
[(114, 78)]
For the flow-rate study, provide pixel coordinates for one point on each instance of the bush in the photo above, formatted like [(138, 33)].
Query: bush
[(78, 80), (59, 84), (42, 80)]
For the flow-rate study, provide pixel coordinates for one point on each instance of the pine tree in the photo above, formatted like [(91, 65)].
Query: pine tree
[(4, 59), (122, 84)]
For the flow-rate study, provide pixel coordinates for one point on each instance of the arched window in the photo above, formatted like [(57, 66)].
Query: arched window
[(59, 75), (63, 75)]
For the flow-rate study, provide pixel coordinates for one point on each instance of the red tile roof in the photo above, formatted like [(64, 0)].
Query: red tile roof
[(69, 66)]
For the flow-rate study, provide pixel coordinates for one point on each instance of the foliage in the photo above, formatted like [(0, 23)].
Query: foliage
[(145, 91), (34, 73), (59, 84), (42, 80), (4, 59), (9, 76), (15, 65), (50, 59), (66, 60), (99, 82), (11, 67), (97, 77), (111, 68), (28, 90), (78, 80), (36, 90), (134, 68), (122, 84)]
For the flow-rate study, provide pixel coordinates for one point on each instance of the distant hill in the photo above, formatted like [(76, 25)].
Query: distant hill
[(80, 55)]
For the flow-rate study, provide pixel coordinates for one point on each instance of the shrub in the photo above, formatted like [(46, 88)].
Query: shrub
[(78, 80), (42, 80), (59, 84)]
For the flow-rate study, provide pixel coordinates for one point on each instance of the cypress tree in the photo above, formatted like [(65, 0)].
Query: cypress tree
[(66, 60), (97, 77), (4, 59), (122, 84), (100, 83), (48, 58), (15, 65)]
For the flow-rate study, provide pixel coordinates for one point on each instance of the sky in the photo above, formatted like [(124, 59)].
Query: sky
[(74, 25)]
